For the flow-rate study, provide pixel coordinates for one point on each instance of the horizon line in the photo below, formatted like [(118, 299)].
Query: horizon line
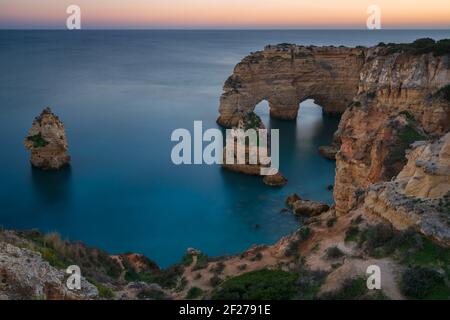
[(223, 29)]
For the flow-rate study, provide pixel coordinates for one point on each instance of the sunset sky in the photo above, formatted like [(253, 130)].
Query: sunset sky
[(30, 14)]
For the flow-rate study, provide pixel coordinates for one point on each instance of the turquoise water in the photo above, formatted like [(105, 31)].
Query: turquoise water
[(120, 95)]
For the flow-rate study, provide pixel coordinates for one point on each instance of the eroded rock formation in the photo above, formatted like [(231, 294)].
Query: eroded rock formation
[(398, 102), (286, 75), (419, 197), (47, 142)]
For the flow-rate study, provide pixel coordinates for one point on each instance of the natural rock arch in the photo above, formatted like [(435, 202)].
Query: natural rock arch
[(286, 75)]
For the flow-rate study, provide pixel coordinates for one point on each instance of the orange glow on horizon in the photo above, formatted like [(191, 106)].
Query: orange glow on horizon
[(226, 13)]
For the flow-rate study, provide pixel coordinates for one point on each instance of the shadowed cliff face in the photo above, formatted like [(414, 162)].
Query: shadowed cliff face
[(286, 75), (388, 98)]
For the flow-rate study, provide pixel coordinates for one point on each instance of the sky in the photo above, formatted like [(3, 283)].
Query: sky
[(233, 14)]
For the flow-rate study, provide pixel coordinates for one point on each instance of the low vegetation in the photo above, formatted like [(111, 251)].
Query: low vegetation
[(333, 253), (354, 289), (424, 283), (194, 293), (38, 141), (444, 92), (259, 285), (420, 46), (427, 264)]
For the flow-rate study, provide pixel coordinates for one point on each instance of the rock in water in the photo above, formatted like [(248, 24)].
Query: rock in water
[(47, 142), (276, 180), (329, 152)]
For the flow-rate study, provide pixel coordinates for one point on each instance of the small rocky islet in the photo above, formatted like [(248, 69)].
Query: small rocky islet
[(47, 142), (392, 190)]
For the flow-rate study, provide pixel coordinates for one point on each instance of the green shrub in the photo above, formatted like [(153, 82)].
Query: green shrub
[(242, 267), (408, 115), (258, 257), (333, 253), (194, 293), (187, 260), (215, 281), (351, 289), (218, 268), (304, 233), (444, 92), (376, 238), (424, 283), (331, 222), (166, 278), (259, 285), (309, 283), (38, 140), (292, 248), (410, 134), (104, 292), (421, 46), (352, 234)]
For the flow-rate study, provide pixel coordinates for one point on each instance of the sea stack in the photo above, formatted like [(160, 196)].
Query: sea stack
[(47, 142)]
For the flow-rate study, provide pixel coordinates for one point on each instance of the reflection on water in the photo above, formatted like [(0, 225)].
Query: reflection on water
[(51, 187)]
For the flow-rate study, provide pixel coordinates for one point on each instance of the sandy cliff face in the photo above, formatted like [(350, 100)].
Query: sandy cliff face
[(47, 142), (286, 75), (397, 104), (419, 197)]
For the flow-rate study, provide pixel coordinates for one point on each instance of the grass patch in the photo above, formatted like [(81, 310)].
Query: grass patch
[(259, 285)]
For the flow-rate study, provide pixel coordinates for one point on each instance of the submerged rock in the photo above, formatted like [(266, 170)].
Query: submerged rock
[(47, 142)]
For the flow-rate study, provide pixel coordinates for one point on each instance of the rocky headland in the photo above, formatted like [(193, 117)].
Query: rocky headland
[(392, 191), (47, 142)]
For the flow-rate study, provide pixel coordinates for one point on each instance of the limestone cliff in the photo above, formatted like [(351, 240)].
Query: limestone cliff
[(390, 96), (419, 197), (47, 142), (285, 75), (398, 102)]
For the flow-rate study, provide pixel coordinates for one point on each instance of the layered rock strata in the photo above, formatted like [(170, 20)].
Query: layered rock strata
[(419, 197), (285, 75)]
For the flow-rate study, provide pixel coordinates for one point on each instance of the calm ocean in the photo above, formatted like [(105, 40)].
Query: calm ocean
[(120, 95)]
